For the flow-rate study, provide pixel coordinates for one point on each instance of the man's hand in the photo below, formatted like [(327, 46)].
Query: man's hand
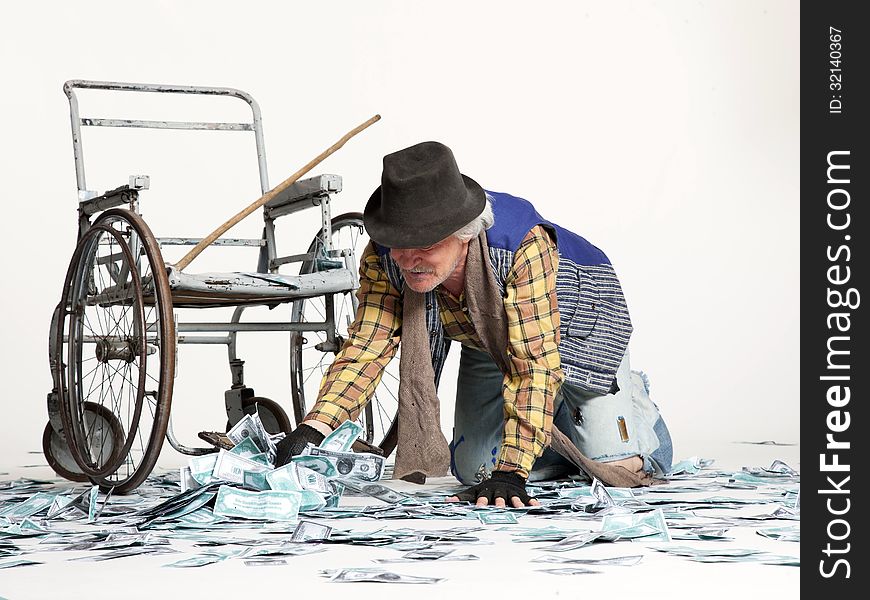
[(496, 490), (295, 442)]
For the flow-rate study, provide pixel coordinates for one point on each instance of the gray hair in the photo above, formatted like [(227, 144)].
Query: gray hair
[(483, 221)]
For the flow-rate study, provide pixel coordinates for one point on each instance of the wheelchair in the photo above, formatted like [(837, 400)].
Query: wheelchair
[(114, 334)]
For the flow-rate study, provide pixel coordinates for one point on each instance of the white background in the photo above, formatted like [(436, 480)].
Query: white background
[(666, 133)]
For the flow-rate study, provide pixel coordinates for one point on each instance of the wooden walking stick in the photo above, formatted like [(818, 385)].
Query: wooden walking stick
[(197, 250)]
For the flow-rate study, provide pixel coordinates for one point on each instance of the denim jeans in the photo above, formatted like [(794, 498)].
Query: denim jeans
[(604, 427)]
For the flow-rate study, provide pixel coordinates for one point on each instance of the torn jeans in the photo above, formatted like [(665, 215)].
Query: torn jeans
[(605, 427)]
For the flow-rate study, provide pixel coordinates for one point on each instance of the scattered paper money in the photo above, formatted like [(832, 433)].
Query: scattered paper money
[(232, 467), (248, 524), (376, 490), (569, 571), (271, 506), (496, 516), (342, 438), (375, 575), (319, 464), (264, 562), (309, 530), (365, 467), (622, 561)]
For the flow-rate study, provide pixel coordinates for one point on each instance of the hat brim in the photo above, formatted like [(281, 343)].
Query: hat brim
[(428, 225)]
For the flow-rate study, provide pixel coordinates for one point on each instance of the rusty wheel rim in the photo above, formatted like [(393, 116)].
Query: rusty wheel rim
[(140, 354)]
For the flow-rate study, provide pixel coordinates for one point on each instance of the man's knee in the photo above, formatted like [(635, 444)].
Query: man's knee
[(471, 465)]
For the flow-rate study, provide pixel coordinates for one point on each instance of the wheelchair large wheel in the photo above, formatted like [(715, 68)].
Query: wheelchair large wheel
[(308, 365), (117, 334)]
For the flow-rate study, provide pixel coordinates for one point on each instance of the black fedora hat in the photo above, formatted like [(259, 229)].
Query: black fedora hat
[(422, 199)]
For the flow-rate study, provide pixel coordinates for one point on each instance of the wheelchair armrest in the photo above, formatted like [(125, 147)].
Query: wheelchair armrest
[(124, 194), (302, 194), (111, 199)]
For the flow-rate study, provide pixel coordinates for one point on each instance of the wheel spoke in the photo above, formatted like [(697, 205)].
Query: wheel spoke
[(93, 381)]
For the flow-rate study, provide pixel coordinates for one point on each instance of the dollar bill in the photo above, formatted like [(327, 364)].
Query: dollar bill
[(312, 480), (249, 427), (333, 500), (196, 561), (202, 467), (288, 549), (778, 559), (232, 467), (33, 505), (569, 571), (202, 517), (622, 561), (709, 552), (650, 525), (572, 542), (445, 558), (427, 554), (309, 530), (358, 465), (273, 505), (544, 534), (702, 534), (265, 561), (21, 562), (255, 480), (64, 505), (263, 458), (783, 534), (197, 503), (246, 448), (436, 554), (92, 503), (588, 492), (603, 499), (186, 479), (125, 552), (375, 575), (61, 504), (175, 502), (779, 466), (271, 448), (410, 545), (490, 517), (376, 490), (285, 478), (777, 469), (342, 438), (311, 501), (690, 466), (321, 464)]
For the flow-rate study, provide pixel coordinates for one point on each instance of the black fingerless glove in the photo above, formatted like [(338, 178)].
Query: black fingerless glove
[(295, 442), (502, 484)]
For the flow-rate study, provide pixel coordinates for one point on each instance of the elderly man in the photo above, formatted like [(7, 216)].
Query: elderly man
[(543, 325)]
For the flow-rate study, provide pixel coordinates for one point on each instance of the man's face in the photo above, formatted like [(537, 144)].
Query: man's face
[(426, 268)]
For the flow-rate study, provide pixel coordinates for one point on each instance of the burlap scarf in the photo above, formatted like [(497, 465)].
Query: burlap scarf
[(422, 450)]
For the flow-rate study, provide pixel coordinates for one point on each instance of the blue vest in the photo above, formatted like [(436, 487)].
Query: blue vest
[(595, 324)]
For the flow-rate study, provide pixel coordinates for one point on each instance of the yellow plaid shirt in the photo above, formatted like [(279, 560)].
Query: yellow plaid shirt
[(533, 347)]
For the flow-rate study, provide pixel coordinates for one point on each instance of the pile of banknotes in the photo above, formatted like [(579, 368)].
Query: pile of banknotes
[(252, 487), (235, 505)]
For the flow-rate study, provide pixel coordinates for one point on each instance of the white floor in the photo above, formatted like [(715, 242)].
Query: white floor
[(504, 570)]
